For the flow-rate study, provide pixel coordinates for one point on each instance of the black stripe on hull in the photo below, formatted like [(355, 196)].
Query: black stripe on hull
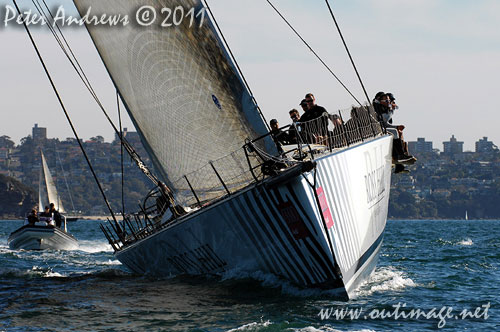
[(288, 242), (293, 270), (319, 253), (313, 254), (366, 255), (255, 239)]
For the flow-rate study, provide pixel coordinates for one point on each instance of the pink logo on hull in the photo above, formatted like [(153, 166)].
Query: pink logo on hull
[(324, 207)]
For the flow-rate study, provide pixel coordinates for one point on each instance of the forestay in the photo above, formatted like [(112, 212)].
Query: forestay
[(182, 92)]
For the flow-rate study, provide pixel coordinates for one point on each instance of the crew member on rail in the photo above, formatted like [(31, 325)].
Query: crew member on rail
[(384, 105), (46, 212), (33, 217), (316, 131), (279, 136), (55, 215)]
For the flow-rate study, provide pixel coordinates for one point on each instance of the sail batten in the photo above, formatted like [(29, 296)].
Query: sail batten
[(182, 92)]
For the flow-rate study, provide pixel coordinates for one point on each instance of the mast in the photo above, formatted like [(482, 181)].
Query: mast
[(183, 94), (64, 176)]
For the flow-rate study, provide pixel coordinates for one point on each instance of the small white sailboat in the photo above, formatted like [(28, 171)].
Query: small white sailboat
[(466, 215), (45, 235)]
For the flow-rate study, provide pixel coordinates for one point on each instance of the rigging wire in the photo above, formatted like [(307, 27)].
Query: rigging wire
[(71, 56), (312, 50), (348, 52), (64, 176), (121, 148), (237, 65), (81, 73), (65, 112)]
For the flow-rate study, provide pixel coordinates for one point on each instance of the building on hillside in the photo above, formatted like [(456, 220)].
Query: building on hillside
[(420, 146), (39, 133), (443, 193), (4, 158), (4, 153), (483, 145), (453, 146), (131, 136)]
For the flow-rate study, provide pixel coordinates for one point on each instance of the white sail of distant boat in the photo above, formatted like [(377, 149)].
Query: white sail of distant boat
[(466, 215), (47, 191)]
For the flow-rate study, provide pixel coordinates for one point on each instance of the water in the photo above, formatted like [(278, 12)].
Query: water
[(424, 265)]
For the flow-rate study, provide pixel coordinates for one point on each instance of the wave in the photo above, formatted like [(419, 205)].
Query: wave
[(267, 325), (251, 327), (111, 262), (94, 246), (382, 280), (35, 256), (34, 272), (48, 272), (467, 242), (110, 274), (444, 242), (269, 280), (385, 279), (325, 329)]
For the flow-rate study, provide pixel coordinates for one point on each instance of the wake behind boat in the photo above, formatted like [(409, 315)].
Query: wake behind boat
[(42, 237)]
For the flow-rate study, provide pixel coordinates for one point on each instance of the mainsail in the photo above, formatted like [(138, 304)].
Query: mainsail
[(47, 192), (183, 94)]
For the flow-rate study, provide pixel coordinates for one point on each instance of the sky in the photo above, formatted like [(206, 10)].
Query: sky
[(440, 58)]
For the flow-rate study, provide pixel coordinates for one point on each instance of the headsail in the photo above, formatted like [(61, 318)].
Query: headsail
[(182, 92), (50, 187)]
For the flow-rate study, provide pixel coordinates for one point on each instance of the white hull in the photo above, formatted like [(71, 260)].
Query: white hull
[(277, 226), (41, 238)]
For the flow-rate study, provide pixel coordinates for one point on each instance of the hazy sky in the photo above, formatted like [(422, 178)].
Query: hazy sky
[(441, 59)]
